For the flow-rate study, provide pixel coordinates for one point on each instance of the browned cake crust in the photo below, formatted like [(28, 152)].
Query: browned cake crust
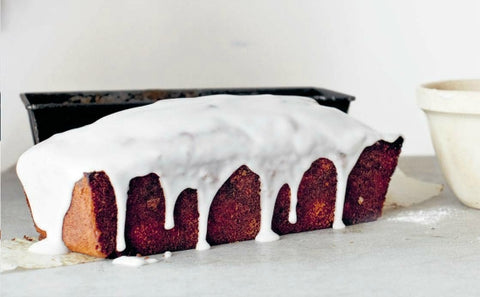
[(90, 224), (368, 182), (146, 204)]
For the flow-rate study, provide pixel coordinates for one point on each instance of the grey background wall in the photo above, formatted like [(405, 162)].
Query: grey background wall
[(378, 50)]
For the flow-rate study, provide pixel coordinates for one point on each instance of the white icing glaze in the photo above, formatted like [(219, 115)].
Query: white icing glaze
[(133, 261), (194, 143)]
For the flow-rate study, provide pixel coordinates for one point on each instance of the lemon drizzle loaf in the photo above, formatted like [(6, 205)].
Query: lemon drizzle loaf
[(198, 143)]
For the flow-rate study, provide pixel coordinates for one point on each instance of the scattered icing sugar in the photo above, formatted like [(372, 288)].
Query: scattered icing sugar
[(423, 217), (194, 143), (133, 261), (5, 266), (15, 254)]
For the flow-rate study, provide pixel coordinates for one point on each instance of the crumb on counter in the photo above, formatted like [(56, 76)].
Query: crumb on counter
[(27, 238)]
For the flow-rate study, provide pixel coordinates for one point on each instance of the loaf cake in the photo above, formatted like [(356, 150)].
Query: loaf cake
[(190, 173)]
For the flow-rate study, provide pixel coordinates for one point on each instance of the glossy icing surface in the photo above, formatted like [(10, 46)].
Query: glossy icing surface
[(194, 143)]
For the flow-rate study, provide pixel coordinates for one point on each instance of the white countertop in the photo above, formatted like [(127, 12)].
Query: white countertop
[(431, 249)]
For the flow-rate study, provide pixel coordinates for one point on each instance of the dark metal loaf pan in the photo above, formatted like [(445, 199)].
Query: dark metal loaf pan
[(56, 112)]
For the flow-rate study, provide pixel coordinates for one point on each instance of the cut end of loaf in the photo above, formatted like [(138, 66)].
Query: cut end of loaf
[(90, 224)]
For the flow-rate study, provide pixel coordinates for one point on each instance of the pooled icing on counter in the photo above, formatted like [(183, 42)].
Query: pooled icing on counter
[(133, 261), (193, 143)]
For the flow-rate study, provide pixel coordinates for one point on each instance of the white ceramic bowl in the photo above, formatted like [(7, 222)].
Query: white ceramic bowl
[(453, 113)]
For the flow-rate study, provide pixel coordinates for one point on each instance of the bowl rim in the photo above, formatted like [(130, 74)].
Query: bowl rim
[(450, 96)]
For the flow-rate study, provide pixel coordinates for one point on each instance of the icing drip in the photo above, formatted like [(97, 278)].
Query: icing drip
[(194, 143)]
